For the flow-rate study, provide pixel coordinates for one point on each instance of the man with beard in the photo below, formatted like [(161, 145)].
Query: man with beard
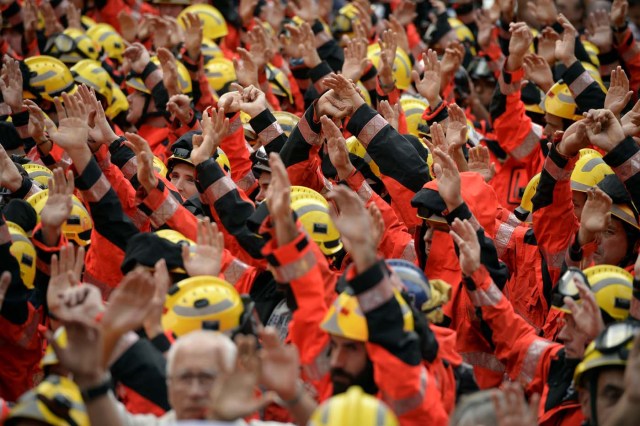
[(366, 337)]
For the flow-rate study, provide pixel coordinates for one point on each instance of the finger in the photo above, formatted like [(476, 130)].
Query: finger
[(79, 262)]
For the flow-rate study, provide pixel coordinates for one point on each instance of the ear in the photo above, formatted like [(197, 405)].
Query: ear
[(585, 402)]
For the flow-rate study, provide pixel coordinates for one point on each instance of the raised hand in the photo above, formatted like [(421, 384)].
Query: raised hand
[(279, 201), (537, 70), (169, 71), (233, 395), (192, 35), (355, 59), (574, 139), (619, 94), (260, 49), (347, 99), (337, 147), (51, 23), (37, 121), (100, 130), (402, 39), (451, 60), (485, 25), (388, 46), (448, 178), (547, 45), (232, 101), (153, 321), (81, 304), (307, 46), (280, 365), (565, 48), (73, 129), (129, 303), (29, 20), (405, 12), (379, 226), (128, 26), (73, 17), (10, 177), (390, 113), (512, 409), (253, 101), (596, 215), (246, 68), (305, 9), (144, 156), (206, 258), (66, 270), (179, 106), (521, 39), (214, 128), (59, 203), (465, 237), (480, 162), (619, 9), (603, 129), (5, 281), (544, 11), (246, 10), (138, 57), (456, 129), (599, 30), (631, 121), (11, 83), (585, 312), (429, 85)]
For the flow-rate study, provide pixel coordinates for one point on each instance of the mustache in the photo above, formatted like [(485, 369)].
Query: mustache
[(339, 373)]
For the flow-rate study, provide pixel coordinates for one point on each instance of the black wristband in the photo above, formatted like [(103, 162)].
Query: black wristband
[(148, 69), (103, 388)]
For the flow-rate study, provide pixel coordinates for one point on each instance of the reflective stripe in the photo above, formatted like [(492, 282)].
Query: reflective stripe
[(581, 83), (97, 191), (5, 236), (489, 297), (554, 259), (295, 270), (271, 132), (556, 172), (371, 129), (311, 137), (530, 363), (529, 143), (484, 360), (365, 192), (503, 236), (317, 369), (234, 271), (376, 296), (409, 252), (508, 88), (629, 168), (139, 218), (246, 182), (402, 406), (217, 190), (130, 168), (163, 213), (105, 162), (513, 220), (234, 126)]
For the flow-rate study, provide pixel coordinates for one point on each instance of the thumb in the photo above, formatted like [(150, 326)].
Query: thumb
[(437, 170)]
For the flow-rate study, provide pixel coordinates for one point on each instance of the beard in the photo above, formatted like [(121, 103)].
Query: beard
[(342, 380)]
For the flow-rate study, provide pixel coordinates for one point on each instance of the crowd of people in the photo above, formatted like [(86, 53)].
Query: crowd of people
[(319, 212)]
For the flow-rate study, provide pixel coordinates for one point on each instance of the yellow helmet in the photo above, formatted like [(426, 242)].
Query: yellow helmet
[(25, 253), (174, 236), (314, 216), (592, 51), (401, 65), (71, 46), (344, 20), (77, 228), (279, 83), (355, 147), (109, 39), (610, 349), (287, 121), (625, 214), (589, 170), (559, 102), (202, 302), (345, 318), (220, 74), (354, 407), (56, 401), (87, 22), (365, 93), (48, 78), (39, 173), (159, 166), (302, 192), (91, 74), (613, 287), (213, 24), (184, 80), (50, 357), (119, 103), (595, 73), (221, 159), (413, 109), (210, 50), (523, 211), (463, 33)]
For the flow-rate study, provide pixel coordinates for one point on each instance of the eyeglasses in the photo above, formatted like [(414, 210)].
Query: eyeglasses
[(616, 338), (204, 379)]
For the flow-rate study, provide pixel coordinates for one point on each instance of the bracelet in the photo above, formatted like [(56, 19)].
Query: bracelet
[(92, 393), (296, 399)]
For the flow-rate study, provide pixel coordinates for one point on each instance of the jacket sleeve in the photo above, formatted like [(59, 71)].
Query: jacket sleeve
[(554, 222), (396, 242), (404, 173), (15, 307), (629, 50), (405, 384), (43, 260), (624, 159), (516, 134), (235, 147), (269, 131), (163, 209), (586, 91), (516, 343)]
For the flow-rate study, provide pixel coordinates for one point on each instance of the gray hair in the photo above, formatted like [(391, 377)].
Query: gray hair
[(204, 338)]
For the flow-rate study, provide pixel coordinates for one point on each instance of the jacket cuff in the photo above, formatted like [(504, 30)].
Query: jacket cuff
[(479, 279), (558, 166), (161, 342), (212, 182), (510, 81), (357, 182), (92, 182), (25, 188), (372, 287), (293, 260), (624, 159), (159, 205), (320, 71), (310, 128), (266, 126), (365, 124), (577, 78)]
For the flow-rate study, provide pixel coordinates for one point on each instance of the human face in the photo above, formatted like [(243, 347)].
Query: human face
[(610, 388), (428, 239), (348, 360), (612, 245), (189, 386), (554, 123), (263, 181), (136, 106), (578, 198), (574, 342), (484, 91), (182, 176)]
